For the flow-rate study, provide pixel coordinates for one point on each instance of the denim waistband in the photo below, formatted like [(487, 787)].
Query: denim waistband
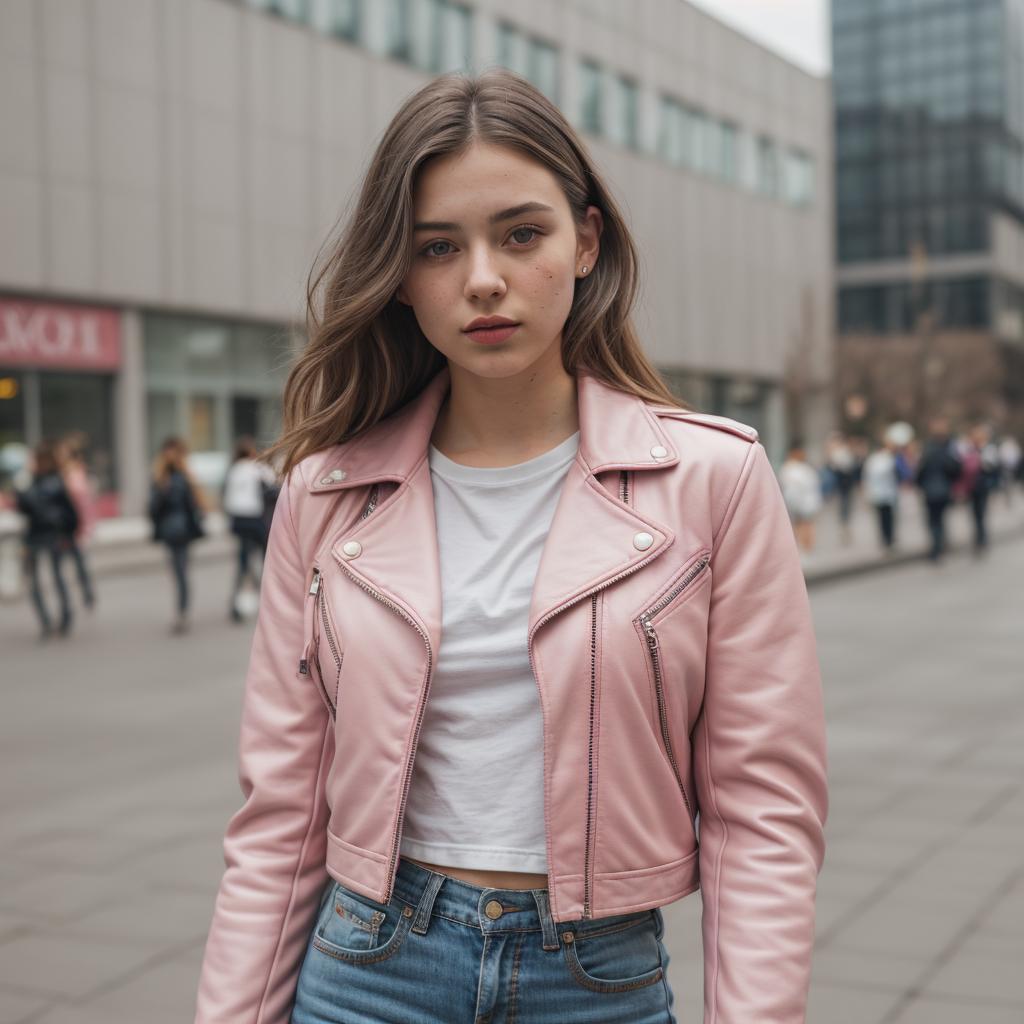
[(490, 910)]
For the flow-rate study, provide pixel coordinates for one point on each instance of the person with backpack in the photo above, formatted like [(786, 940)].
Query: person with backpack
[(937, 468), (52, 522), (250, 485), (176, 506)]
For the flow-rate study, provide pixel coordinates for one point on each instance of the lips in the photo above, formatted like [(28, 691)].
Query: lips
[(484, 324)]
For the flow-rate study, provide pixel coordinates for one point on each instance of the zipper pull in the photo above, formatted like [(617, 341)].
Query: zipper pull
[(315, 585), (652, 636)]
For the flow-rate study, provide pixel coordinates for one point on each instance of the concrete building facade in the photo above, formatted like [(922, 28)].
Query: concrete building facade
[(169, 169)]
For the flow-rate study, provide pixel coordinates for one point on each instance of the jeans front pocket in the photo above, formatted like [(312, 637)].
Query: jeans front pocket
[(358, 929), (615, 954)]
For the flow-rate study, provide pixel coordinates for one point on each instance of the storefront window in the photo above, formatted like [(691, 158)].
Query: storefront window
[(82, 402), (161, 419), (211, 381), (12, 427)]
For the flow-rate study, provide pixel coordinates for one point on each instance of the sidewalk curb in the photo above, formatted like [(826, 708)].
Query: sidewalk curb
[(963, 548)]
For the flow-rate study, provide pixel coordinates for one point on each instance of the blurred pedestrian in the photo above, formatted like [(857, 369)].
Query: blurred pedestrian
[(74, 469), (937, 468), (51, 522), (801, 489), (1010, 458), (176, 507), (882, 489), (249, 487), (979, 476), (842, 462)]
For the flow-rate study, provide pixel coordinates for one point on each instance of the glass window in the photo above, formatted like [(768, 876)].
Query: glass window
[(712, 146), (12, 427), (201, 423), (591, 106), (82, 401), (729, 166), (670, 130), (542, 68), (511, 49), (396, 29), (768, 167), (161, 419), (297, 10), (450, 34), (340, 18), (623, 111)]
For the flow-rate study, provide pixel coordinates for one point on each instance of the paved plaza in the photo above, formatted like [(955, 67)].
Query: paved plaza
[(118, 777)]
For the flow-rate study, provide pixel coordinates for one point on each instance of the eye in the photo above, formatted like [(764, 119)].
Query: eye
[(526, 227), (430, 253)]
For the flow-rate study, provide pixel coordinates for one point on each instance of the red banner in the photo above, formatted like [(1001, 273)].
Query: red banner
[(46, 336)]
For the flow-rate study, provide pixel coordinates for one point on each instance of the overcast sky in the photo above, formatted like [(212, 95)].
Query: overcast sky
[(798, 29)]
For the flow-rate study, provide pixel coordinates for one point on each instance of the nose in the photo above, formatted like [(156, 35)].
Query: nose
[(484, 278)]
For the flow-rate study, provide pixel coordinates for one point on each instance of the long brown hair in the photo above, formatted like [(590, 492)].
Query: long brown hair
[(366, 355)]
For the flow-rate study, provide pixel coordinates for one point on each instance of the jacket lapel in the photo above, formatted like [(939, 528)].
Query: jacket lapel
[(594, 537)]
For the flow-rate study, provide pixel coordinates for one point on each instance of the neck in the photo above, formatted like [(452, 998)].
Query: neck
[(488, 421)]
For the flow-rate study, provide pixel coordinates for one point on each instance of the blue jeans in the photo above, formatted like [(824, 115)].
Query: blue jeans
[(444, 951)]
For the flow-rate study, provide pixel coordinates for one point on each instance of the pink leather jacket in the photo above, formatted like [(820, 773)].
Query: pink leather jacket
[(672, 643)]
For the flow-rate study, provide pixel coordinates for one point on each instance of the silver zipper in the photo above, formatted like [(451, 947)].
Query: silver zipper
[(588, 882), (314, 586), (324, 618), (655, 652), (371, 504), (419, 716), (314, 590), (623, 490), (304, 665)]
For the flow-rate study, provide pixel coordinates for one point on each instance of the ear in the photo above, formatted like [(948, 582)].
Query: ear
[(587, 239), (402, 295)]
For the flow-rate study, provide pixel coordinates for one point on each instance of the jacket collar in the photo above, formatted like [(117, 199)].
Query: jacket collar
[(617, 431)]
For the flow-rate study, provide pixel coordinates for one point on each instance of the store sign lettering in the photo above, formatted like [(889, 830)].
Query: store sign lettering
[(50, 336)]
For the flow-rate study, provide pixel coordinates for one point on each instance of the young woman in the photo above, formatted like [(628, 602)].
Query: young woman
[(51, 520), (176, 507), (75, 470), (522, 617)]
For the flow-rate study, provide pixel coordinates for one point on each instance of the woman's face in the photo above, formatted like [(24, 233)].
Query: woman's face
[(523, 266)]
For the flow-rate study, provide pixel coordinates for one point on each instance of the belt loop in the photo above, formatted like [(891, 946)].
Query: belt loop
[(426, 904), (547, 924)]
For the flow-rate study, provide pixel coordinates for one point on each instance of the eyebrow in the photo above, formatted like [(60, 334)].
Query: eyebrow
[(495, 218)]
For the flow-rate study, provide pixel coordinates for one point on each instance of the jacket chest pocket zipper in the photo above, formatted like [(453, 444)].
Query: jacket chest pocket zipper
[(645, 620), (316, 618)]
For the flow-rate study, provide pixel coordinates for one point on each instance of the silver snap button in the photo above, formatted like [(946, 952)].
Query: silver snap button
[(659, 451), (642, 541), (337, 474), (325, 480), (351, 548)]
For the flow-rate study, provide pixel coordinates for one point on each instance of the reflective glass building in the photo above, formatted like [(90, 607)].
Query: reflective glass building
[(929, 99)]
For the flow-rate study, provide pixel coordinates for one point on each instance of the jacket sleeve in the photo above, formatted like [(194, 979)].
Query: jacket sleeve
[(275, 844), (759, 764)]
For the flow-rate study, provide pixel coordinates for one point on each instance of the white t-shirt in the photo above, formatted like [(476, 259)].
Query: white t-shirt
[(243, 491), (801, 488), (476, 798), (880, 480)]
